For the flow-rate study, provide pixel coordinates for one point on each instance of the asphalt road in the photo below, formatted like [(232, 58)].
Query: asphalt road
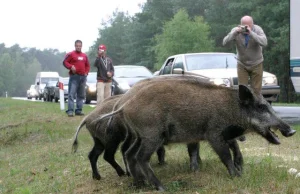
[(289, 114)]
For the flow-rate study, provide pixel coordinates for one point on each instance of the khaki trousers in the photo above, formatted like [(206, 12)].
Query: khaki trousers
[(251, 75), (103, 91)]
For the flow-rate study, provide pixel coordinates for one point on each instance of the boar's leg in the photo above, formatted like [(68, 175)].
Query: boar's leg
[(195, 160), (135, 171), (93, 156), (237, 155), (125, 146), (109, 155), (222, 149), (161, 155), (147, 148)]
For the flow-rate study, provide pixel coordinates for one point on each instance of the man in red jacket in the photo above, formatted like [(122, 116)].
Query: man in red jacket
[(78, 64)]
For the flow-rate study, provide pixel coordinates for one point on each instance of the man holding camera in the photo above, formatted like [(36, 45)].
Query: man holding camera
[(105, 72), (249, 40)]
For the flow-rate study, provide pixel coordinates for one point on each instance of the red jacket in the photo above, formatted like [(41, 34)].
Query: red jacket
[(79, 60)]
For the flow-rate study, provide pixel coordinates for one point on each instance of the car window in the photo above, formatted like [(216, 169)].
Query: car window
[(65, 81), (168, 67), (45, 80), (132, 72), (91, 78), (178, 63), (209, 61), (51, 83)]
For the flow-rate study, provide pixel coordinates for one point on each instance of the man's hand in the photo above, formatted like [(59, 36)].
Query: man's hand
[(240, 30), (73, 69), (109, 74)]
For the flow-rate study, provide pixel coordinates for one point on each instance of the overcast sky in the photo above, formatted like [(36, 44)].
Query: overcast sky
[(57, 23)]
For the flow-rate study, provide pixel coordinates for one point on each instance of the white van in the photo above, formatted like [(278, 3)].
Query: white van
[(41, 80)]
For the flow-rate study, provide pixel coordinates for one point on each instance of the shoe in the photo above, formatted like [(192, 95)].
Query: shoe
[(79, 113), (70, 114)]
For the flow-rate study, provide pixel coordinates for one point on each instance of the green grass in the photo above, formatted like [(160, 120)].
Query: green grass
[(35, 157)]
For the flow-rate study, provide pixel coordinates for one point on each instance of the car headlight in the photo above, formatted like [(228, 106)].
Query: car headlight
[(124, 86), (270, 80), (220, 82), (92, 89)]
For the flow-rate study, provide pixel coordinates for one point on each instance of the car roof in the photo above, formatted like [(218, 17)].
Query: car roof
[(129, 66), (204, 53)]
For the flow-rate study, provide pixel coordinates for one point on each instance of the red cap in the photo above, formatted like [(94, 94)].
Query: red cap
[(102, 47)]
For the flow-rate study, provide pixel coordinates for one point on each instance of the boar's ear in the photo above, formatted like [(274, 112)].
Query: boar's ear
[(245, 94)]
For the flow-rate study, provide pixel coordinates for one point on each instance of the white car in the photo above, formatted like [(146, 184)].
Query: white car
[(218, 68), (31, 92)]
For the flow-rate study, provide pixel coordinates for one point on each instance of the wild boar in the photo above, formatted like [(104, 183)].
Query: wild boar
[(107, 142), (188, 110)]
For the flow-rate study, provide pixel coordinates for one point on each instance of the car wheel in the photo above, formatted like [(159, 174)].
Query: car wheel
[(56, 99)]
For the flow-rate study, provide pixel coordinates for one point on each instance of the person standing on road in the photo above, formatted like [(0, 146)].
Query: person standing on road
[(249, 40), (78, 64), (105, 72)]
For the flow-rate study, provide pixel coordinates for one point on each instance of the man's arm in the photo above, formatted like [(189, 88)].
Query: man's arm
[(87, 66), (230, 36), (67, 60), (259, 36)]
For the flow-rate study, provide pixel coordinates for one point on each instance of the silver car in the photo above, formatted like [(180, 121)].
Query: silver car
[(218, 68)]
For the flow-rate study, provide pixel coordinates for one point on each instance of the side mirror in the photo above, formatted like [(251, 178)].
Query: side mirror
[(178, 71), (37, 83)]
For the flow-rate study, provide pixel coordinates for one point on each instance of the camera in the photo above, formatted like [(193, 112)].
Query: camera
[(244, 29)]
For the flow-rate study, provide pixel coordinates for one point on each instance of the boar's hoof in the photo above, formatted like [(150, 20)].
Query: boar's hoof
[(160, 188), (96, 176), (242, 138), (121, 173), (290, 133), (137, 184), (272, 137)]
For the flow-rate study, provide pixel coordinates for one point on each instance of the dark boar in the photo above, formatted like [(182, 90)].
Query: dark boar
[(107, 142), (187, 110)]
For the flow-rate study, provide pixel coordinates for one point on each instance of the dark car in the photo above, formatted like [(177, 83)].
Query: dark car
[(65, 82), (91, 89), (126, 76), (49, 91)]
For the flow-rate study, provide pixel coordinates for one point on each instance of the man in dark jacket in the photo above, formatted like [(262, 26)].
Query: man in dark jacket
[(105, 72), (78, 64)]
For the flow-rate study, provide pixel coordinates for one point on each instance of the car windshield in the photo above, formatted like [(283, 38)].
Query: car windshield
[(209, 61), (91, 78), (52, 83), (127, 72), (66, 81), (45, 80)]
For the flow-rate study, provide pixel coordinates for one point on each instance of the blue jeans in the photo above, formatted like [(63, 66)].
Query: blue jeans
[(77, 85)]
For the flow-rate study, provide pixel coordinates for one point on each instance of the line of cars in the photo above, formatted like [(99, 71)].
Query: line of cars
[(215, 67)]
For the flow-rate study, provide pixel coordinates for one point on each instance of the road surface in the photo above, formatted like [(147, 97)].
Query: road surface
[(289, 114)]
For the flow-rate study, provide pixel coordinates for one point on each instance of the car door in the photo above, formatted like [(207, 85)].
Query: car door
[(178, 64), (167, 67)]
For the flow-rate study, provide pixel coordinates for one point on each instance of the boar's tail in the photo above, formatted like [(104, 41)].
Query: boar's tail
[(75, 143)]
